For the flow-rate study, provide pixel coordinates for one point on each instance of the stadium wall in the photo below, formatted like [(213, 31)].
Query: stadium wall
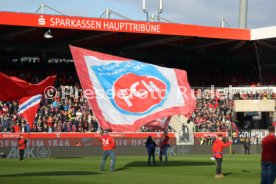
[(254, 105)]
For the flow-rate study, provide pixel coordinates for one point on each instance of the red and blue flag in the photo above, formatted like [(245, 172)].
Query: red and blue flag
[(125, 94), (28, 107)]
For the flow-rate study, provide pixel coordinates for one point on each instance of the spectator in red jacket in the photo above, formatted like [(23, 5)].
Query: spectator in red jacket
[(50, 122), (108, 146), (217, 150), (269, 157), (22, 142), (16, 128), (164, 144)]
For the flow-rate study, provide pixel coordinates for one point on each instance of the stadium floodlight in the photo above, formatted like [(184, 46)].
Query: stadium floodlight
[(160, 10), (145, 10), (144, 5), (48, 34), (243, 14), (160, 6), (222, 22)]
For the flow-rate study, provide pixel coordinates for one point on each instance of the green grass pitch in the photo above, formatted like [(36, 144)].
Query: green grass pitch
[(195, 169)]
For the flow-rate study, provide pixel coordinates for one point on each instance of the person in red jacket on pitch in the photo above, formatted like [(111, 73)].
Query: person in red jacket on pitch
[(217, 150), (108, 145), (164, 144), (22, 142)]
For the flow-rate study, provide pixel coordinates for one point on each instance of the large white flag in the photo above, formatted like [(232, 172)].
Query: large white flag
[(125, 94)]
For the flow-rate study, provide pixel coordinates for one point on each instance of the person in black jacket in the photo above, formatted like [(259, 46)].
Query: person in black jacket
[(150, 144), (246, 145)]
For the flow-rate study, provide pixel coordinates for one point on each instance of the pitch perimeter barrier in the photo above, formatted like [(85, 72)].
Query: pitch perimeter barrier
[(80, 139), (71, 152), (45, 145)]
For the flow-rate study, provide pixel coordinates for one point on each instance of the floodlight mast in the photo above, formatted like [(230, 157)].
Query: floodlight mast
[(243, 14), (160, 10), (145, 10), (222, 22)]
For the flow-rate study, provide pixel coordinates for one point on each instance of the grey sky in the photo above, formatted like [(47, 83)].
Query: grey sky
[(261, 13)]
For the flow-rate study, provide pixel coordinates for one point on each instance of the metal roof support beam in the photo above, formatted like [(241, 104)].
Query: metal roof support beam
[(207, 45), (237, 46), (76, 39), (16, 33), (43, 6), (90, 37), (108, 12), (269, 45), (152, 43)]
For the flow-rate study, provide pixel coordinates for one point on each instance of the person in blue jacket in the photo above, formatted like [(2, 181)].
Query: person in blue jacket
[(150, 144)]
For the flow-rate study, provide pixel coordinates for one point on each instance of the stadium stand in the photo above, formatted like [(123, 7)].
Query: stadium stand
[(71, 113)]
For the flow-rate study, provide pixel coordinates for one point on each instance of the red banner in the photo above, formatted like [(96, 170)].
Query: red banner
[(84, 135), (13, 88), (129, 26), (209, 134), (206, 138)]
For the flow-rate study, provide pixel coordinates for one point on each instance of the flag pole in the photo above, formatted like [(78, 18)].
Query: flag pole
[(164, 128), (231, 133), (160, 144), (275, 130), (162, 136)]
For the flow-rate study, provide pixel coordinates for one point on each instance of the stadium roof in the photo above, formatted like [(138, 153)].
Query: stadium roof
[(23, 32)]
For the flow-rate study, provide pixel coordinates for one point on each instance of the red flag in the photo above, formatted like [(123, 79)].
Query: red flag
[(28, 107), (234, 127), (159, 124), (13, 88)]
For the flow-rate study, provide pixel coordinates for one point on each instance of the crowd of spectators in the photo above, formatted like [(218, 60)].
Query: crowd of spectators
[(213, 111), (71, 113), (64, 113), (212, 114)]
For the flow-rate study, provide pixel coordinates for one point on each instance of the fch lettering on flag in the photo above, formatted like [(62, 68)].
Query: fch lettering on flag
[(125, 94), (28, 107)]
